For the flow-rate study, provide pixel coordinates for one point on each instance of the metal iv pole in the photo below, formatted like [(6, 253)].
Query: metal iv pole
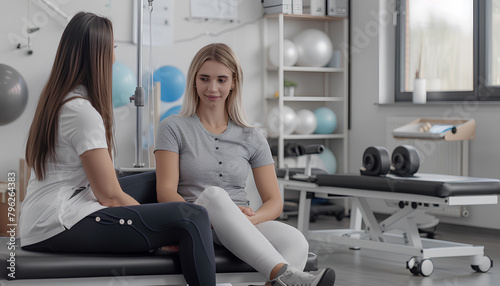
[(139, 91)]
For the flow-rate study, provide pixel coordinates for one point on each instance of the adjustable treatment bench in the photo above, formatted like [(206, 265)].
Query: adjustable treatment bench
[(398, 234), (48, 269), (83, 269)]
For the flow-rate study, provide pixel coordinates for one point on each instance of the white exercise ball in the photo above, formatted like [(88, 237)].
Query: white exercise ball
[(314, 47), (289, 120), (306, 122), (290, 53)]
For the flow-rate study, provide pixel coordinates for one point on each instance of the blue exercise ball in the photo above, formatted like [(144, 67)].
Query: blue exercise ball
[(326, 120), (124, 84), (329, 160), (13, 94), (171, 111), (173, 82)]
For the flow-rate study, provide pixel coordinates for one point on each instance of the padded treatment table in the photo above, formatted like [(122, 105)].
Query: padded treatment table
[(36, 268), (84, 269), (398, 234)]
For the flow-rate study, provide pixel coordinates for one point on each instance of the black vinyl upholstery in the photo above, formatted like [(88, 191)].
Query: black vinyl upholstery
[(420, 184), (39, 265)]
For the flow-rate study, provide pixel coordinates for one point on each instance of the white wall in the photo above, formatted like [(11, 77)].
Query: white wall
[(246, 41), (368, 119)]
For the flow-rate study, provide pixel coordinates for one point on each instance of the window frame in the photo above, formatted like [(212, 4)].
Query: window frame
[(485, 92)]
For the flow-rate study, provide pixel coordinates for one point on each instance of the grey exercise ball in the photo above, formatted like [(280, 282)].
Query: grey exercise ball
[(13, 94)]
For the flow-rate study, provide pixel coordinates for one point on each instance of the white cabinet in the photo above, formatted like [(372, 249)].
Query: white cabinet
[(317, 86)]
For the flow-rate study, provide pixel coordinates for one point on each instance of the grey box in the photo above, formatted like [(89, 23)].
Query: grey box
[(337, 8), (270, 3), (285, 9)]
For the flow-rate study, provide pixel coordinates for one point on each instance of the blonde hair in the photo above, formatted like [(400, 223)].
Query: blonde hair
[(84, 57), (221, 53)]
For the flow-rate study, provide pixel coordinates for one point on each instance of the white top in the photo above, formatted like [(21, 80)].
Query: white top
[(64, 197)]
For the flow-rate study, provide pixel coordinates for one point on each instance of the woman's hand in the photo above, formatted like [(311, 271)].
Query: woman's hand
[(247, 211), (170, 248)]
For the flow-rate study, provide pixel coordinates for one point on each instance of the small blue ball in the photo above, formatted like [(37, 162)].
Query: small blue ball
[(173, 82)]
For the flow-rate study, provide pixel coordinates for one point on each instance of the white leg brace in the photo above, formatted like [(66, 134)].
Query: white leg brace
[(262, 246)]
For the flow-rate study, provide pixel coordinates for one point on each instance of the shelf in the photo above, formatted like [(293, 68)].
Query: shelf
[(463, 129), (323, 86), (305, 17), (308, 69), (309, 98)]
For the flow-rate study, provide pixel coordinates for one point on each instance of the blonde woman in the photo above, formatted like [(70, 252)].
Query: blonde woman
[(74, 201), (204, 156)]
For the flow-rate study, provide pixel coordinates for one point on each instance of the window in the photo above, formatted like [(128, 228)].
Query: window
[(453, 44)]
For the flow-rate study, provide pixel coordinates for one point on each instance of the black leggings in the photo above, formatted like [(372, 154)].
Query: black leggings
[(140, 229)]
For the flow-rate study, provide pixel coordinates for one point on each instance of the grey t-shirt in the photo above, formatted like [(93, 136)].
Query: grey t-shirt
[(206, 159)]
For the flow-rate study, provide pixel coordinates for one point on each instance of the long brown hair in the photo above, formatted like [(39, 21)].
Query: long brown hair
[(221, 53), (84, 57)]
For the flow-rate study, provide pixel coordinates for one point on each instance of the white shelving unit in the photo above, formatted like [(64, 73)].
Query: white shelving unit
[(317, 86)]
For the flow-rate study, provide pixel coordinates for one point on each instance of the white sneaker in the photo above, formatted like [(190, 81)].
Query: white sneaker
[(295, 277)]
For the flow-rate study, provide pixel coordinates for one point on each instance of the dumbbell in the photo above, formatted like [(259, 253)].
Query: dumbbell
[(376, 161), (405, 161)]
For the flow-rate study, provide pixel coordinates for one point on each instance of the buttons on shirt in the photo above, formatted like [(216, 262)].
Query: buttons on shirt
[(129, 222), (97, 219), (122, 221), (220, 162)]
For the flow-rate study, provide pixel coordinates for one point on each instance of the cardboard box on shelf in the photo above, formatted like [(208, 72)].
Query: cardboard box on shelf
[(337, 8), (271, 3), (285, 9), (314, 7)]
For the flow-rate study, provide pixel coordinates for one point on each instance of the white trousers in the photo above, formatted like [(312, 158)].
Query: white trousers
[(262, 246)]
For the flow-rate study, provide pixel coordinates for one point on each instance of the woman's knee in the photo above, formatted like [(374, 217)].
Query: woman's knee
[(288, 237), (299, 238), (194, 212)]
